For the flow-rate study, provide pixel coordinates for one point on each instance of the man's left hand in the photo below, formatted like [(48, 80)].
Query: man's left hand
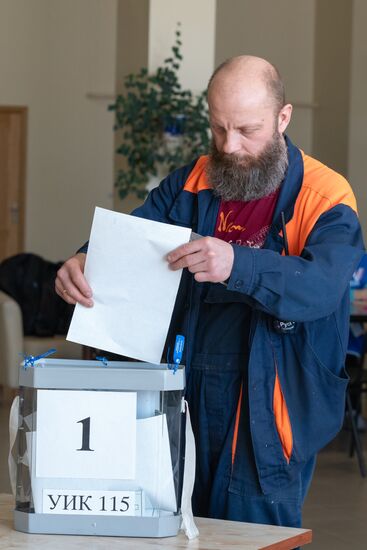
[(210, 259)]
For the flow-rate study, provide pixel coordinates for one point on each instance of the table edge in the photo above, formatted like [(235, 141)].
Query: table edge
[(297, 540)]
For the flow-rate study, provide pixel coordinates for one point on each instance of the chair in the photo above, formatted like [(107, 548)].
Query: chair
[(13, 343)]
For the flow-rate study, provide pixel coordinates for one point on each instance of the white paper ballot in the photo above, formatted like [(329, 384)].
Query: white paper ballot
[(134, 290)]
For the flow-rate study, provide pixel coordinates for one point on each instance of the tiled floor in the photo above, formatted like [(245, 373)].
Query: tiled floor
[(336, 508)]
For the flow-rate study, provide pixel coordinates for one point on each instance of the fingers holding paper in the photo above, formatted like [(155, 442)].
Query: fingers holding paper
[(210, 259), (71, 285)]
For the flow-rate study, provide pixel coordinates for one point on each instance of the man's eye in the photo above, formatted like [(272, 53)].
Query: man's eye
[(246, 132)]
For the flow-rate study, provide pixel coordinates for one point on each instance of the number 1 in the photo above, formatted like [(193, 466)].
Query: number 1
[(85, 434)]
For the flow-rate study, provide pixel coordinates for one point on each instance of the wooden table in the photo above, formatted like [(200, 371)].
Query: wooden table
[(213, 534)]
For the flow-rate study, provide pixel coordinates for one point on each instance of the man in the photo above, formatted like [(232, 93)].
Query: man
[(263, 300)]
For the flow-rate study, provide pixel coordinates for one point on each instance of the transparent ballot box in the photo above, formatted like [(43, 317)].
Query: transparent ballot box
[(98, 449)]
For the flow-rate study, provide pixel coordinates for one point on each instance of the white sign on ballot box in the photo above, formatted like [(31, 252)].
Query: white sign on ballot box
[(112, 503), (86, 434)]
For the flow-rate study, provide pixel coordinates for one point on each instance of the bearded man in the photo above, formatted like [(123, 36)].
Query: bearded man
[(263, 301)]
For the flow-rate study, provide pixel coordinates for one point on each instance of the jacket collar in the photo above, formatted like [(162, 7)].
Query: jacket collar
[(289, 191), (292, 182)]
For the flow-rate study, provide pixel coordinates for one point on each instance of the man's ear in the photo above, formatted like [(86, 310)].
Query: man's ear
[(284, 117)]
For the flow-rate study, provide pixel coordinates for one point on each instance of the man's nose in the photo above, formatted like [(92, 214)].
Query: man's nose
[(231, 143)]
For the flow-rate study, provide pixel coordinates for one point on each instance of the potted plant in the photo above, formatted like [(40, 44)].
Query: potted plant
[(161, 124)]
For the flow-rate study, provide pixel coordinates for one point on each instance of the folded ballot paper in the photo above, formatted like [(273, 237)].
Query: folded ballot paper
[(134, 290)]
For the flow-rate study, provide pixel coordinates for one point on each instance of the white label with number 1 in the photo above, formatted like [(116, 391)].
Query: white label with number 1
[(86, 434)]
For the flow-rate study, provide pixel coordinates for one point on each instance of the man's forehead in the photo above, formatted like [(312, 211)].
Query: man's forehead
[(239, 120), (240, 113), (230, 78), (232, 95)]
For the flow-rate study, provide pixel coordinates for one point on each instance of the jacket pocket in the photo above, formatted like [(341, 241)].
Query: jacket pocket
[(310, 360), (317, 397)]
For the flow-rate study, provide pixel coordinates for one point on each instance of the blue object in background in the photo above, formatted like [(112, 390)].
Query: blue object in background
[(359, 278), (356, 332)]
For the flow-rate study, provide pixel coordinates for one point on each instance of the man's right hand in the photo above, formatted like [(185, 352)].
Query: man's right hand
[(71, 285)]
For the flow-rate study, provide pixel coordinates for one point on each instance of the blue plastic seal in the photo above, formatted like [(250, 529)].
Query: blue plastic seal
[(177, 353), (29, 360), (178, 350), (103, 360)]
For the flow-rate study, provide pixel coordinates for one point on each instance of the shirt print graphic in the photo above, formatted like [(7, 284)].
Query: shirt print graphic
[(246, 223)]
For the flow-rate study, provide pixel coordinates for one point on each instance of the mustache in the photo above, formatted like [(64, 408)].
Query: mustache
[(230, 160), (248, 177)]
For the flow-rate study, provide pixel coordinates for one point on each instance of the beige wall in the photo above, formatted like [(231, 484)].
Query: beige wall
[(197, 20), (132, 55), (332, 82), (132, 38), (283, 32), (358, 111), (52, 53)]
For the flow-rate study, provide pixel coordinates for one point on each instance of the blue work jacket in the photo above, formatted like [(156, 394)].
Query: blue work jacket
[(296, 377)]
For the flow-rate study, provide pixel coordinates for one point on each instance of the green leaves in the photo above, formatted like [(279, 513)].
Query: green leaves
[(154, 106)]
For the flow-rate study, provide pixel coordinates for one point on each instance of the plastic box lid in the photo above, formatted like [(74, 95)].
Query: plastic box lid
[(94, 375)]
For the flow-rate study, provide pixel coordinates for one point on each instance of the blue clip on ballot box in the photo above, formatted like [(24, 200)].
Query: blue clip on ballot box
[(98, 449)]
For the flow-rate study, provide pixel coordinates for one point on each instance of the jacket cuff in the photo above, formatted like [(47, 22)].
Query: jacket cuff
[(83, 249), (242, 275)]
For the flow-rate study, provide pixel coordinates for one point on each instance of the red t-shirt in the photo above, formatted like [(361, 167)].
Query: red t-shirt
[(246, 223)]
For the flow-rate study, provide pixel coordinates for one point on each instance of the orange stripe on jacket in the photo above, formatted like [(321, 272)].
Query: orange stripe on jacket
[(237, 423), (321, 190), (282, 421), (197, 180)]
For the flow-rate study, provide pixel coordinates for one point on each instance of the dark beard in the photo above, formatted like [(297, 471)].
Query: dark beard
[(248, 178)]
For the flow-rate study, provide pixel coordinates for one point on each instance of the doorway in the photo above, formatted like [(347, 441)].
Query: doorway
[(13, 136)]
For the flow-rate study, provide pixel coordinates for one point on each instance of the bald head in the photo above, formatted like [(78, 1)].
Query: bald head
[(249, 74)]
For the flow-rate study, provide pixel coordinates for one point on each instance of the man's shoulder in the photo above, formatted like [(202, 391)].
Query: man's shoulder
[(191, 177), (179, 176), (197, 179), (322, 181)]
